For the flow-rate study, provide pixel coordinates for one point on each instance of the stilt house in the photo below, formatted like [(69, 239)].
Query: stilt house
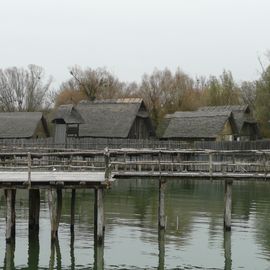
[(23, 125), (198, 125), (119, 118), (247, 126)]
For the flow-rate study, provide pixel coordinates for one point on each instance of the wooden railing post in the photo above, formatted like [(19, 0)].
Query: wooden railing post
[(264, 165), (159, 162), (107, 165), (29, 168), (211, 164)]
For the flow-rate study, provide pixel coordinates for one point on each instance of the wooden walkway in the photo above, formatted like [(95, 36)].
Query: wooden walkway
[(54, 170)]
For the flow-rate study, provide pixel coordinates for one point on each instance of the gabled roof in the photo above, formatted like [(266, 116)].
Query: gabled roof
[(20, 124), (110, 118), (67, 114), (241, 113), (198, 124)]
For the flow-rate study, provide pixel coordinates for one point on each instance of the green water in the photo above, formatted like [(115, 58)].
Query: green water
[(132, 241)]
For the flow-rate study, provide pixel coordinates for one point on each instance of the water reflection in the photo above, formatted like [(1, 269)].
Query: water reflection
[(161, 249), (72, 256), (33, 249), (132, 239), (9, 255), (227, 250), (55, 252), (98, 256)]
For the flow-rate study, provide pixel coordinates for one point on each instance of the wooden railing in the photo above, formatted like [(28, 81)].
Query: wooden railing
[(209, 162)]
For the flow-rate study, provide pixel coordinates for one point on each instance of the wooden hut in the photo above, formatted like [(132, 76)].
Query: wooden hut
[(194, 126), (119, 118), (67, 121), (247, 126), (23, 125)]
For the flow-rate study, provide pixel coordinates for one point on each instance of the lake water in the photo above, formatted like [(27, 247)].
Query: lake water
[(132, 240)]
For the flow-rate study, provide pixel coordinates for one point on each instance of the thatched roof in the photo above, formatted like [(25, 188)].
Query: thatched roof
[(20, 124), (112, 118), (241, 114), (193, 125), (67, 114)]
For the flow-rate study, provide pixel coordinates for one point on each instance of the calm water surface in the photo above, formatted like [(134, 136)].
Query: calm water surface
[(132, 241)]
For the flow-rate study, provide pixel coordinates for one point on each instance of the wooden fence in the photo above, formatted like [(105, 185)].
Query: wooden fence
[(101, 143)]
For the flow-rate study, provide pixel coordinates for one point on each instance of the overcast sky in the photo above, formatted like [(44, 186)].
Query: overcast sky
[(131, 37)]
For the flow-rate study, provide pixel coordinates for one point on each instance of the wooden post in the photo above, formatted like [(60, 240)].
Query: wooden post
[(10, 214), (29, 168), (228, 204), (55, 207), (72, 209), (107, 165), (161, 207), (34, 209), (210, 165), (99, 216)]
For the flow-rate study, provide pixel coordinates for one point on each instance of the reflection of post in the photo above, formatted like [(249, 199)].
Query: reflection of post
[(34, 209), (33, 250), (227, 250), (58, 255), (72, 256), (9, 256), (55, 207), (99, 216), (228, 205), (10, 214), (72, 210), (52, 257), (161, 249), (55, 249), (98, 256), (161, 207)]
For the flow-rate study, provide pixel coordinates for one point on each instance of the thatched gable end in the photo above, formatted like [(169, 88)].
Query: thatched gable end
[(114, 118), (117, 118), (197, 125), (247, 126), (15, 125)]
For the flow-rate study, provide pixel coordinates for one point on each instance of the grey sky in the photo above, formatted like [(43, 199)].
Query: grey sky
[(131, 37)]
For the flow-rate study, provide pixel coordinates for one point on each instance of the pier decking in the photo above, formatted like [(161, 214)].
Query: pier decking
[(52, 170)]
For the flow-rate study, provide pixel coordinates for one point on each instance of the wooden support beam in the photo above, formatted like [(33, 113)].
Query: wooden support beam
[(10, 195), (55, 208), (161, 206), (34, 209), (72, 209), (228, 205), (99, 216)]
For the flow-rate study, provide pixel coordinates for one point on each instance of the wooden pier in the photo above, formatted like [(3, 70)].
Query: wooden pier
[(72, 169)]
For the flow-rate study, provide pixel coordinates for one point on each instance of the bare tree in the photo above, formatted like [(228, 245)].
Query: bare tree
[(96, 83), (23, 89)]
